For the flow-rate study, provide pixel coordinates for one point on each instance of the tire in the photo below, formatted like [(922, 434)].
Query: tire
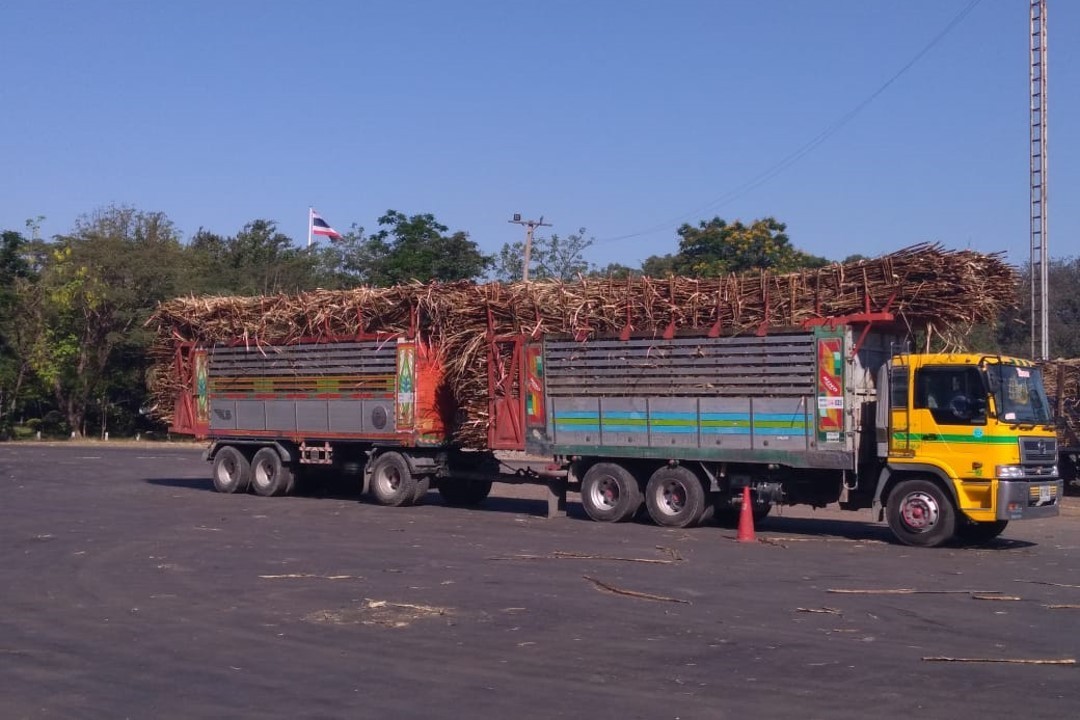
[(610, 493), (231, 470), (920, 513), (464, 493), (423, 485), (977, 533), (269, 476), (675, 497), (1067, 469), (392, 483), (290, 481)]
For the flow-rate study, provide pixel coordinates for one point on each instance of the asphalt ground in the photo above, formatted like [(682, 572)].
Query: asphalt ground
[(131, 589)]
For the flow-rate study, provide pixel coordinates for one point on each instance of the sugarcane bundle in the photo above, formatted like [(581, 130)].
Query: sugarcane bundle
[(1062, 380), (926, 287)]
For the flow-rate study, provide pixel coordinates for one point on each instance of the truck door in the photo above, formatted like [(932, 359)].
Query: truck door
[(949, 414), (191, 415), (506, 393)]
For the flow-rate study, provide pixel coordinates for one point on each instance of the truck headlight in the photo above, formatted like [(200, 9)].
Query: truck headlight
[(1008, 472)]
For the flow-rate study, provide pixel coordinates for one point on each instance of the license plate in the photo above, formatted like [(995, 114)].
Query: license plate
[(1046, 493)]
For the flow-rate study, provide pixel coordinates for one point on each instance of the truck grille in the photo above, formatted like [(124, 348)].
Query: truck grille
[(1038, 450)]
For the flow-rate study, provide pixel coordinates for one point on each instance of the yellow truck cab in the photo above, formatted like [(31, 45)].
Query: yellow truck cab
[(968, 443)]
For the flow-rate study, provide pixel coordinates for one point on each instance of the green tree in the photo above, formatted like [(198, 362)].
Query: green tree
[(716, 247), (415, 247), (1064, 307), (616, 270), (13, 264), (659, 265), (552, 256), (1013, 332), (98, 287), (208, 270), (338, 264), (258, 260), (16, 275), (264, 260)]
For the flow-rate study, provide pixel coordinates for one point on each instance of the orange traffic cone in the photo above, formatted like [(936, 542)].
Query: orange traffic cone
[(746, 518)]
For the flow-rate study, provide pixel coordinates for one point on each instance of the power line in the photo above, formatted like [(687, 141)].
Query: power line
[(809, 146)]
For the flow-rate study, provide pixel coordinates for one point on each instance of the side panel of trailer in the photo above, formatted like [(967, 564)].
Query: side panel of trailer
[(382, 391), (783, 398)]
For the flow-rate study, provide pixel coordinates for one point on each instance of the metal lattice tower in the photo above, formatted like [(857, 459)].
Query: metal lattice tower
[(1040, 256)]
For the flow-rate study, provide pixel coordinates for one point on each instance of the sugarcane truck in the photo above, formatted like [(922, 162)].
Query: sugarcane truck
[(672, 424)]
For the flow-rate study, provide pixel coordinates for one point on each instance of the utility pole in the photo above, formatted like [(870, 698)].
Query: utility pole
[(530, 225), (1040, 254)]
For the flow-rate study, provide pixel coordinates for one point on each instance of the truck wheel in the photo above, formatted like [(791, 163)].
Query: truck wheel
[(1067, 469), (609, 493), (231, 470), (464, 493), (977, 533), (920, 514), (392, 483), (675, 497), (423, 485), (270, 476)]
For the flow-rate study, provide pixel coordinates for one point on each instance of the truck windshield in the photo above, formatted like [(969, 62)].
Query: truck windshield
[(1018, 394)]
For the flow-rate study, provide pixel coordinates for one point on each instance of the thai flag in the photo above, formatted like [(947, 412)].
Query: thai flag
[(321, 227)]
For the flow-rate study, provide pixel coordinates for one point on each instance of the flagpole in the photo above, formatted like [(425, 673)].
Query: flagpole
[(310, 212)]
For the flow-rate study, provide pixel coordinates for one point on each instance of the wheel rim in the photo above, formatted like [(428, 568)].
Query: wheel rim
[(920, 512), (605, 492), (390, 479), (264, 474), (228, 470), (672, 497)]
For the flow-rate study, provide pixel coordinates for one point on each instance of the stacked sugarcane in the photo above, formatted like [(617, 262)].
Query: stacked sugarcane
[(930, 289), (1062, 380)]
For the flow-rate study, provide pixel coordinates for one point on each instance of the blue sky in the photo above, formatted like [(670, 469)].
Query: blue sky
[(626, 118)]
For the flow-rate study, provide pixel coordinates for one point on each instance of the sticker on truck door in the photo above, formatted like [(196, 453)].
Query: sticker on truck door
[(830, 389)]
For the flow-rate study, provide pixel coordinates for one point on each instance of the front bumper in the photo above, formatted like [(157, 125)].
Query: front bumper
[(1026, 500)]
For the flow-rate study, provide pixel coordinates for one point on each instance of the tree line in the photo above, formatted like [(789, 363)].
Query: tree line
[(73, 346)]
